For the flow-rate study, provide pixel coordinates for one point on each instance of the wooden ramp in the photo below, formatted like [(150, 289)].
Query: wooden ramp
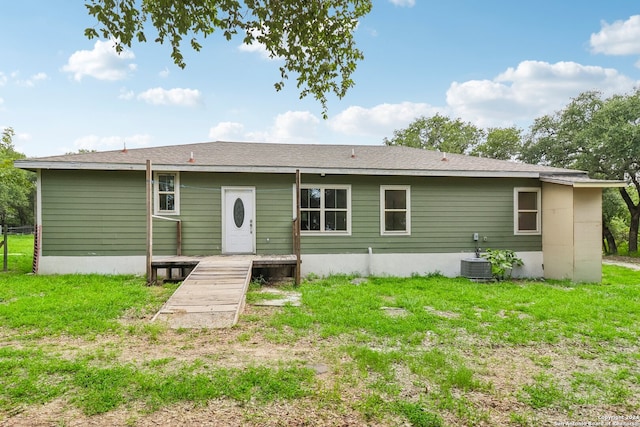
[(212, 296)]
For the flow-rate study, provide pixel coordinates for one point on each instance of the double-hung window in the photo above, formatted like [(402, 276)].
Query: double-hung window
[(167, 193), (395, 210), (526, 211), (325, 209)]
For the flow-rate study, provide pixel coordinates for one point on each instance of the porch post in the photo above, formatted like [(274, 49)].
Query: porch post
[(296, 235), (149, 190)]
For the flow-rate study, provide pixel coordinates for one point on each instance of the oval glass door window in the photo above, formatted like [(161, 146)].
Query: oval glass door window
[(238, 212)]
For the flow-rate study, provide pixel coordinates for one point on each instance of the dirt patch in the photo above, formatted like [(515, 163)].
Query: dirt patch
[(216, 413), (503, 371), (623, 261)]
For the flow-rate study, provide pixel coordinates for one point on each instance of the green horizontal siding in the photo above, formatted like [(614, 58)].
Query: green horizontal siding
[(103, 213), (93, 213), (445, 212)]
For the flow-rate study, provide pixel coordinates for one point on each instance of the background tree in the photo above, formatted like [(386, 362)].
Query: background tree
[(600, 136), (16, 189), (313, 38), (500, 144), (557, 139), (439, 133), (613, 213)]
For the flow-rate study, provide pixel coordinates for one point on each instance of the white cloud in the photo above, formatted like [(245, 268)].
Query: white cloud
[(379, 121), (39, 76), (531, 89), (619, 38), (102, 63), (126, 95), (94, 142), (227, 131), (22, 137), (294, 126), (290, 127), (164, 73), (31, 81), (403, 3), (176, 96), (21, 141), (14, 78)]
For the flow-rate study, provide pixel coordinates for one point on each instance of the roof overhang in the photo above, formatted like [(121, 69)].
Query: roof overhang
[(582, 181), (45, 165)]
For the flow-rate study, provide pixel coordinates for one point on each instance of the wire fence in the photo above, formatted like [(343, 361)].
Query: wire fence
[(23, 229)]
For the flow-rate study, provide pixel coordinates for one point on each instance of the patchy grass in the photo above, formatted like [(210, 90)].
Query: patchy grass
[(420, 351)]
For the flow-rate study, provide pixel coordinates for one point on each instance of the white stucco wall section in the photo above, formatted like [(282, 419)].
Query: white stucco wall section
[(572, 232), (92, 264), (403, 265)]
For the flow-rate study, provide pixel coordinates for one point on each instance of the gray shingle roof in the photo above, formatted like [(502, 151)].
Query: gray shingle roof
[(286, 158)]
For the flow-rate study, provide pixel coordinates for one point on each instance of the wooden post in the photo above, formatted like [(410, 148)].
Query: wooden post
[(5, 230), (149, 187), (297, 223), (179, 238)]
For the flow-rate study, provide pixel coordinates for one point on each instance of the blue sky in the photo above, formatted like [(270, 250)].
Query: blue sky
[(492, 63)]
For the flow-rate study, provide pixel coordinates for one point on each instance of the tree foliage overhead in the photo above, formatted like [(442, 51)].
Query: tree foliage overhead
[(314, 38), (16, 185)]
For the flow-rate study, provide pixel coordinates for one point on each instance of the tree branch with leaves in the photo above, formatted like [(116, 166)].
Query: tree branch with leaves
[(315, 38)]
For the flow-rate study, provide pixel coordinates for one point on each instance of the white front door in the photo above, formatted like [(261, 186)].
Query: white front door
[(238, 220)]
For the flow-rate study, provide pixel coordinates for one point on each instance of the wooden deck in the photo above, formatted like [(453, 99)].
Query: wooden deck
[(213, 294)]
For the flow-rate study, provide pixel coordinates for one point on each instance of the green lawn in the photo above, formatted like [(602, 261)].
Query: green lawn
[(422, 351)]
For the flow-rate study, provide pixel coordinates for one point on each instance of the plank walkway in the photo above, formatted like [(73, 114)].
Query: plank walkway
[(212, 296)]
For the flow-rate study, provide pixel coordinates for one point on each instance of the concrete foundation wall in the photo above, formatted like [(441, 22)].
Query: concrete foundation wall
[(401, 265)]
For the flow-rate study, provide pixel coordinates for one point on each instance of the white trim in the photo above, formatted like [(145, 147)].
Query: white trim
[(516, 210), (407, 210), (583, 181), (38, 255), (223, 216), (322, 187), (34, 164), (39, 199), (156, 193)]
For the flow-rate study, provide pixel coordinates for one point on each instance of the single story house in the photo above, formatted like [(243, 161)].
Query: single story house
[(372, 210)]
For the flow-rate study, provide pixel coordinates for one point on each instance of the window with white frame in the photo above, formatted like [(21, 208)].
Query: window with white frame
[(167, 193), (325, 209), (395, 209), (526, 212)]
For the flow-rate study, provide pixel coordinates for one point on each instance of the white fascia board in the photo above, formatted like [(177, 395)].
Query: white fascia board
[(583, 183), (601, 184), (35, 165)]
